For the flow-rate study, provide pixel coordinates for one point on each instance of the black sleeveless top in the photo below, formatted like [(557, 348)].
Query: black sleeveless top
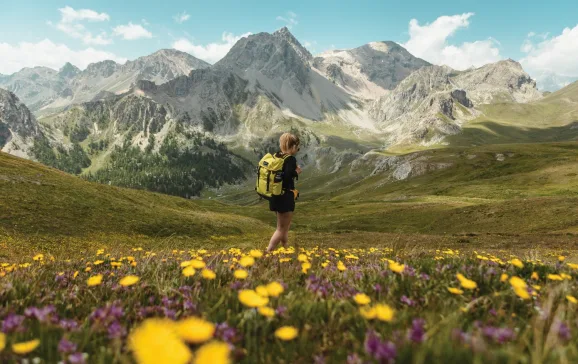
[(289, 171)]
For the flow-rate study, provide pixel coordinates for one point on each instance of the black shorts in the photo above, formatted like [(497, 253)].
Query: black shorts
[(283, 203)]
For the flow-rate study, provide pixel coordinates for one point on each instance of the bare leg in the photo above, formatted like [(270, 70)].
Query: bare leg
[(281, 234)]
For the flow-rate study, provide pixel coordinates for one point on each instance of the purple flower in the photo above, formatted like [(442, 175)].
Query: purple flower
[(66, 347), (45, 314), (318, 359), (405, 300), (116, 330), (354, 359), (13, 323), (417, 331), (384, 352), (563, 331), (281, 310), (424, 276), (226, 333), (68, 324), (76, 358), (500, 335)]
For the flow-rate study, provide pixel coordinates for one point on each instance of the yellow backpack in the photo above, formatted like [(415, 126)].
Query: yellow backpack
[(270, 176)]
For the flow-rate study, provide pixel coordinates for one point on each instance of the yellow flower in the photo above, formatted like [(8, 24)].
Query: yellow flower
[(156, 341), (396, 267), (98, 262), (561, 258), (383, 312), (554, 277), (247, 261), (25, 347), (262, 291), (503, 277), (185, 264), (537, 288), (195, 330), (367, 312), (188, 271), (256, 253), (522, 292), (197, 264), (128, 281), (517, 263), (455, 290), (466, 283), (534, 276), (274, 289), (517, 282), (2, 341), (87, 269), (565, 276), (215, 352), (361, 299), (250, 298), (305, 267), (240, 274), (38, 257), (572, 266), (341, 266), (286, 333), (94, 280), (572, 299), (302, 258), (208, 274), (324, 264), (75, 275), (266, 311)]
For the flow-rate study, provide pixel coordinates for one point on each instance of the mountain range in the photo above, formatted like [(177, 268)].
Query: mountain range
[(343, 103)]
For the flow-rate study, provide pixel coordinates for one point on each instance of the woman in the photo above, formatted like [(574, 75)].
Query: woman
[(284, 205)]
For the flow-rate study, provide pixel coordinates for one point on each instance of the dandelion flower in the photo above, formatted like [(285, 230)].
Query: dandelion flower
[(195, 330), (129, 281), (561, 258), (517, 263), (396, 267), (384, 312), (156, 341), (572, 266), (302, 258), (208, 274), (517, 282), (188, 271), (534, 276), (215, 352), (466, 283), (240, 274), (247, 261), (2, 341), (185, 264), (522, 292), (274, 289), (286, 333), (572, 299), (367, 312), (305, 267), (250, 298), (94, 280), (262, 291), (555, 277), (256, 253), (197, 264), (361, 299), (25, 347), (266, 311), (503, 277), (75, 275), (341, 266), (455, 290)]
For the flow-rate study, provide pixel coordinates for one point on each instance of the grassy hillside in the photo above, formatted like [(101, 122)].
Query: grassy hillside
[(45, 203)]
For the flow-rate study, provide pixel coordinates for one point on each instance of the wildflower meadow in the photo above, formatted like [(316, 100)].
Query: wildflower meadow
[(305, 305)]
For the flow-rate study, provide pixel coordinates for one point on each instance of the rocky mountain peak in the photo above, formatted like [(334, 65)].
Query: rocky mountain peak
[(17, 125), (68, 70), (285, 34), (102, 68)]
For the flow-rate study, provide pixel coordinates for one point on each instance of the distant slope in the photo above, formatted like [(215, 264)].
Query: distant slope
[(41, 200), (552, 118)]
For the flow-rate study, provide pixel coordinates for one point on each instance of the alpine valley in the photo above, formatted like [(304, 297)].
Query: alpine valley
[(171, 123)]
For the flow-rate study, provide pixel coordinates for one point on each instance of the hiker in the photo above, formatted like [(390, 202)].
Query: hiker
[(275, 182)]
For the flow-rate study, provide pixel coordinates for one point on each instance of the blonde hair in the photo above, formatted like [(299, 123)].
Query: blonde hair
[(288, 141)]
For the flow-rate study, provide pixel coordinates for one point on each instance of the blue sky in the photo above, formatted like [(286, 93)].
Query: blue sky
[(456, 32)]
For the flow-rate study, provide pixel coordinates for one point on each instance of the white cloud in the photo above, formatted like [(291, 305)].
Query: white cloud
[(132, 31), (70, 23), (290, 19), (211, 52), (430, 42), (552, 60), (310, 45), (181, 18), (48, 54)]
